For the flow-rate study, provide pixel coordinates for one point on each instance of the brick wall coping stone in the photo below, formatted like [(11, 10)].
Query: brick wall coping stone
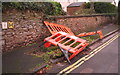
[(72, 16)]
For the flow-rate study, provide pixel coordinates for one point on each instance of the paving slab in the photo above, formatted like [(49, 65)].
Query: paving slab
[(19, 62)]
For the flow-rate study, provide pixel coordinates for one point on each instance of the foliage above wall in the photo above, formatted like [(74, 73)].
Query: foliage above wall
[(58, 9), (103, 7), (85, 12), (48, 8), (119, 13)]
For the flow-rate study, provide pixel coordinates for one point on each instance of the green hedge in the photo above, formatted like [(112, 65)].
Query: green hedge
[(48, 8), (119, 13), (84, 12), (103, 7), (58, 9)]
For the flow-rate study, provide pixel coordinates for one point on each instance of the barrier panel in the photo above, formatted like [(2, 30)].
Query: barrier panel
[(91, 33), (53, 28), (67, 42)]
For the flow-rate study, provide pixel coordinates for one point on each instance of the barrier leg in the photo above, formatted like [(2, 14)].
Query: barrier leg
[(43, 43), (65, 52)]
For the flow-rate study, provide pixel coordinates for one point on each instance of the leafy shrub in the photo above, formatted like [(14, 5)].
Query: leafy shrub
[(103, 7), (119, 13), (84, 11), (48, 8), (58, 9)]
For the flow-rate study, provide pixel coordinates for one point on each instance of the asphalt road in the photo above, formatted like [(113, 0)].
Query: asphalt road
[(106, 61)]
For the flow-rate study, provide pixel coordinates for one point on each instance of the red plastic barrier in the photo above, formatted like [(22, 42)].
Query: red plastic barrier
[(91, 33), (53, 28), (68, 42)]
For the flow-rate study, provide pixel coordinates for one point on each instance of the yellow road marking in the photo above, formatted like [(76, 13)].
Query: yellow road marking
[(88, 56), (74, 68), (79, 60), (101, 48)]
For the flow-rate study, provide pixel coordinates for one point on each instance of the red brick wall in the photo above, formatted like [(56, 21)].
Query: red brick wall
[(72, 10), (80, 24)]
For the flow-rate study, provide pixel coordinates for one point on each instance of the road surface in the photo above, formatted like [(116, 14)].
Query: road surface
[(104, 61)]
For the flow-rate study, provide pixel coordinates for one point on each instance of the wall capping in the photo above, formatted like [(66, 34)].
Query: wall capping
[(72, 16)]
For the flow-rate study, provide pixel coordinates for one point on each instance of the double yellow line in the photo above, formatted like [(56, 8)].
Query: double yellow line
[(87, 57)]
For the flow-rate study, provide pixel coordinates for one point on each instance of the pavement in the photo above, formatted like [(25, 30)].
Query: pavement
[(17, 61), (108, 28)]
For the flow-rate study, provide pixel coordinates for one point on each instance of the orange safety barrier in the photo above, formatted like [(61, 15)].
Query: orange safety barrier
[(53, 28), (92, 33), (65, 39), (67, 42)]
